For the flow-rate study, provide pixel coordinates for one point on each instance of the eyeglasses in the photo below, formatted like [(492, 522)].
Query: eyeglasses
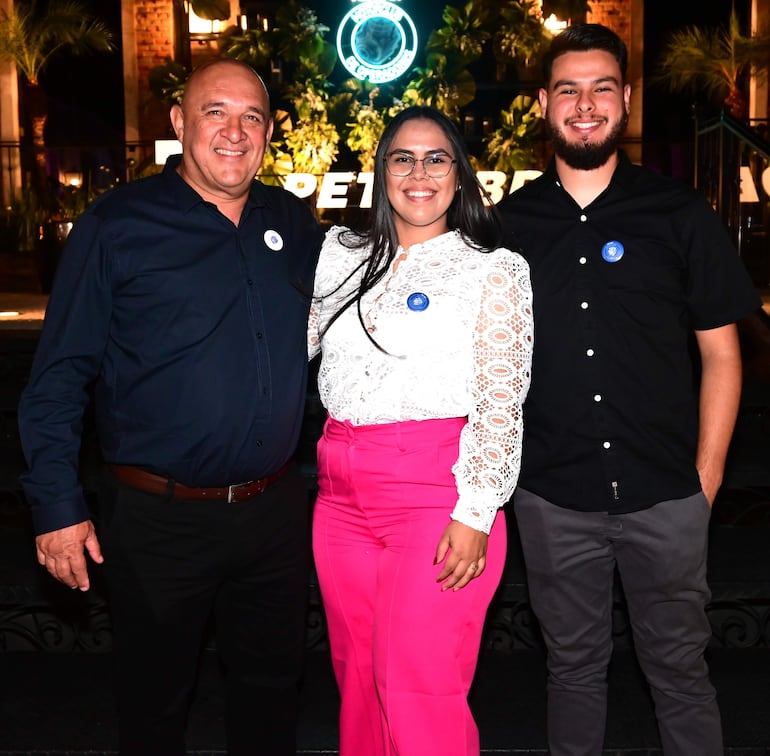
[(435, 166)]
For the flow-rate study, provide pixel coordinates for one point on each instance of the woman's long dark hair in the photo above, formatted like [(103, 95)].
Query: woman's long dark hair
[(477, 223)]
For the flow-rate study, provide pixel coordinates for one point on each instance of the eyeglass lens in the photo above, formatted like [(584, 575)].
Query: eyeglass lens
[(437, 165)]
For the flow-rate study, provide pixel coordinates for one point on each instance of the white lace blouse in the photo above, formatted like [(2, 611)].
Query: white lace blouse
[(456, 327)]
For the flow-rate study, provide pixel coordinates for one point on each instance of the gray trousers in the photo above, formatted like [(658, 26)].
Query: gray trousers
[(660, 554)]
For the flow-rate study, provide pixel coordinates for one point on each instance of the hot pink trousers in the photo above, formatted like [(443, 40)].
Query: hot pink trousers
[(404, 652)]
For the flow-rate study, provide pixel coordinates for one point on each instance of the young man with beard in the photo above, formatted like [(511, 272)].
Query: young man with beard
[(623, 449)]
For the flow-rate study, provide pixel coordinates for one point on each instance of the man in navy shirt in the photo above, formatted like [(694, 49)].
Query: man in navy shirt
[(623, 453), (182, 299)]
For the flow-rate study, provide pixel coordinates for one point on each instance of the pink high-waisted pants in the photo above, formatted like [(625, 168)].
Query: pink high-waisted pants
[(404, 652)]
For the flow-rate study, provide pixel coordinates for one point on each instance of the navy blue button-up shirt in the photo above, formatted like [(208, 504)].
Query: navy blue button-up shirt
[(192, 332), (611, 418)]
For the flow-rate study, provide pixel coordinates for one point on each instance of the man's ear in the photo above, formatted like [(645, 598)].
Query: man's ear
[(542, 95), (177, 120)]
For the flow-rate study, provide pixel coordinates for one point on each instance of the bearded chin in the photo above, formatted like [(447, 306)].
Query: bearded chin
[(586, 156)]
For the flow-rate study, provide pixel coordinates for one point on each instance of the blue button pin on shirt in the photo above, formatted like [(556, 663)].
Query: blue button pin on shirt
[(417, 302), (612, 251)]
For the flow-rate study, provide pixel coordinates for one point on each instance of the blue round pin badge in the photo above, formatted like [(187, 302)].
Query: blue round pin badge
[(613, 251), (417, 302)]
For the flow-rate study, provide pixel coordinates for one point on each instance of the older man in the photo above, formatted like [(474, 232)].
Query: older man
[(183, 298)]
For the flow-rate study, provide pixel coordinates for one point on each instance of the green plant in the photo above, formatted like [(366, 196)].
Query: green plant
[(439, 84), (512, 30), (445, 81), (521, 33), (167, 81), (253, 46), (466, 30), (365, 130), (510, 147), (714, 63), (26, 215), (313, 140)]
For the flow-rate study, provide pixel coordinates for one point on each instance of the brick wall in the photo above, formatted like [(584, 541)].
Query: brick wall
[(154, 34), (615, 14)]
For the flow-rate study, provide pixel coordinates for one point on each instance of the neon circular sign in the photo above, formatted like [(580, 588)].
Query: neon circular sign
[(376, 40)]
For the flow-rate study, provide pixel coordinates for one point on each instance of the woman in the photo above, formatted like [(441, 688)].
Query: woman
[(426, 347)]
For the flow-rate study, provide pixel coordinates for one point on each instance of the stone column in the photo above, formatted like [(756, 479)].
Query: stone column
[(10, 167)]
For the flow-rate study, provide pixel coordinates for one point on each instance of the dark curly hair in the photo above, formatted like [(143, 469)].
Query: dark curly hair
[(582, 38)]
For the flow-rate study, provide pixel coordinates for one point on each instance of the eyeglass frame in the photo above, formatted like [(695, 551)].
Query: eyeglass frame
[(414, 161)]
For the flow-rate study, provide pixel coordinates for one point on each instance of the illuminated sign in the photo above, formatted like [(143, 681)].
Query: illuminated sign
[(376, 40), (337, 186), (341, 189)]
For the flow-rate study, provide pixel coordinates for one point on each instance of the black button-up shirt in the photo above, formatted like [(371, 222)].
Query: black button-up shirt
[(192, 330), (611, 418)]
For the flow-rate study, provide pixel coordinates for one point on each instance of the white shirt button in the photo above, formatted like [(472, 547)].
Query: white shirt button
[(590, 352), (584, 218), (597, 397), (606, 444), (584, 305), (582, 261)]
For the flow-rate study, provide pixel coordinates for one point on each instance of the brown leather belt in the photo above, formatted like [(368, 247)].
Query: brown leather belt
[(157, 484)]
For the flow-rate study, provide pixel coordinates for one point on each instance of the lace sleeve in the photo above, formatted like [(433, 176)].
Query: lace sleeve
[(313, 338), (326, 275), (490, 444)]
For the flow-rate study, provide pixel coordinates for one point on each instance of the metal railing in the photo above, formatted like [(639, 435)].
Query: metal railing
[(97, 166), (732, 168)]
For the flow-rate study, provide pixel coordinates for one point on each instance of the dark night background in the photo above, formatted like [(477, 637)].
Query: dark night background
[(85, 93), (86, 97)]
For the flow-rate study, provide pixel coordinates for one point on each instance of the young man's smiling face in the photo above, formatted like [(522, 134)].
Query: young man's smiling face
[(586, 107)]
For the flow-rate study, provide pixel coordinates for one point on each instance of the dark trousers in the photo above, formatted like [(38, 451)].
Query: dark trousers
[(660, 554), (171, 566)]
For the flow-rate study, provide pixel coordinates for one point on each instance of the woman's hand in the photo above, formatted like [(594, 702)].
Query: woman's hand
[(464, 550)]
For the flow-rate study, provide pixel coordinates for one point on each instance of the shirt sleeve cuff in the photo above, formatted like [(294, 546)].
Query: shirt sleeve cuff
[(65, 513), (478, 518)]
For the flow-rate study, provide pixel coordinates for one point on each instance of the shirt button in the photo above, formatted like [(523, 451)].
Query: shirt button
[(584, 305), (583, 218), (582, 261), (597, 397), (590, 352), (249, 282), (259, 334), (606, 444)]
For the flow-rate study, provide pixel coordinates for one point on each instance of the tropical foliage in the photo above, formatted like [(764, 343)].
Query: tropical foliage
[(714, 63), (317, 120), (511, 146), (31, 35)]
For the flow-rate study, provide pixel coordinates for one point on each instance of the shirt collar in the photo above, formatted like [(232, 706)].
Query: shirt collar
[(187, 197), (622, 177)]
